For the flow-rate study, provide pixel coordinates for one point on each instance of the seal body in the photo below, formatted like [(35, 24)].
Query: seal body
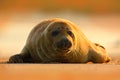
[(59, 41)]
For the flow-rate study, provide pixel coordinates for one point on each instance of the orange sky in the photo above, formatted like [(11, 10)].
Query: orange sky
[(99, 6), (8, 8)]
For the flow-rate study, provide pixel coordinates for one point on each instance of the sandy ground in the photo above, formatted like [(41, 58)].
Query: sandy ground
[(59, 72), (109, 71)]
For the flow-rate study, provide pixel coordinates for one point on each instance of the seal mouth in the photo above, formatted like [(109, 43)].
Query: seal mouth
[(63, 50)]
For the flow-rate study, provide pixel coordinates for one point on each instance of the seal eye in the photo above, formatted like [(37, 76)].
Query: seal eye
[(55, 33), (70, 33)]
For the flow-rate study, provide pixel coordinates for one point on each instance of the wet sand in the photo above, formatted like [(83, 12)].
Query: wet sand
[(109, 71)]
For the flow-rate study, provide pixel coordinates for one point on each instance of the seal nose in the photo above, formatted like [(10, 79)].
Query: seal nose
[(64, 44)]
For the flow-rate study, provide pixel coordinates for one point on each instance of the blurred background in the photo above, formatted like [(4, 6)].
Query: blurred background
[(99, 20)]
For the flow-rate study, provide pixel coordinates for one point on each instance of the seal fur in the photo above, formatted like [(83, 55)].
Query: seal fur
[(59, 41)]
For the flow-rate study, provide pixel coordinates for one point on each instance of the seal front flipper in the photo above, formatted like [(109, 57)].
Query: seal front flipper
[(16, 59), (99, 45), (19, 58)]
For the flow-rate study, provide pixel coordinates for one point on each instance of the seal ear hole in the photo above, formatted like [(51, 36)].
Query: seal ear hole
[(55, 33)]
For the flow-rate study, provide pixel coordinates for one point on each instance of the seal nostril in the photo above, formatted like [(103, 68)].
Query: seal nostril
[(64, 44), (65, 40)]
